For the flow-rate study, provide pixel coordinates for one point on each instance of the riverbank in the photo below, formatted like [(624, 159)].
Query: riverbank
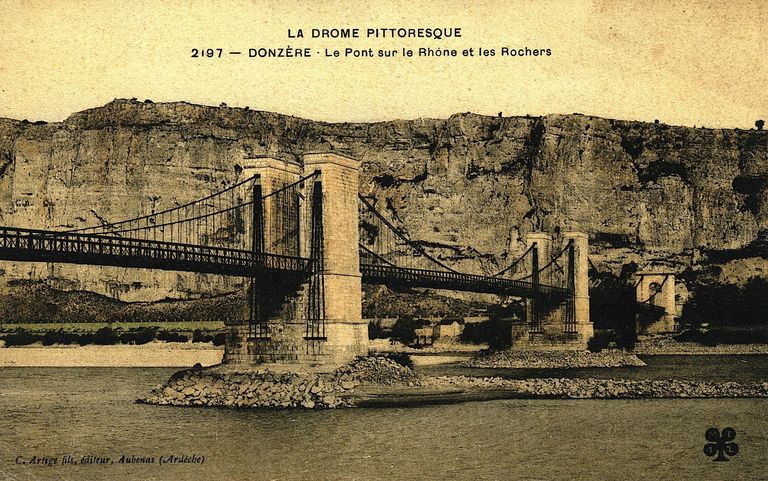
[(386, 346), (186, 354), (591, 388), (153, 354), (515, 359)]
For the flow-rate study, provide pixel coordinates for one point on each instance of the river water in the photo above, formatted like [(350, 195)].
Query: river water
[(79, 412)]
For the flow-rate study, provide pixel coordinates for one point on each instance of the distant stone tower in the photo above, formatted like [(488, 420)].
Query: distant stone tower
[(656, 289)]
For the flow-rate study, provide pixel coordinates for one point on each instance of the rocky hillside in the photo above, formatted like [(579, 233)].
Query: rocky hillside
[(469, 186)]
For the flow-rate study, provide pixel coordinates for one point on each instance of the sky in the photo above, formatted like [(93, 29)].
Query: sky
[(685, 62)]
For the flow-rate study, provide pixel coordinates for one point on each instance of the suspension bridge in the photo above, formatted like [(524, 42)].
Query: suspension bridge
[(306, 240), (204, 236)]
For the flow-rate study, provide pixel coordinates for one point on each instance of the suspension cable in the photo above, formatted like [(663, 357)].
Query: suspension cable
[(516, 262), (115, 225), (182, 221), (369, 251), (402, 235), (148, 216), (557, 256)]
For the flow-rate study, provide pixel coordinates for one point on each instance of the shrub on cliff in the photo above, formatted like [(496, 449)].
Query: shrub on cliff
[(59, 336), (142, 335), (722, 305), (375, 331), (601, 340), (106, 336), (714, 337), (206, 336), (199, 336), (608, 301), (169, 336)]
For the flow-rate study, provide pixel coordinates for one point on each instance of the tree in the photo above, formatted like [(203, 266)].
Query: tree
[(496, 332), (404, 329), (375, 331), (760, 124)]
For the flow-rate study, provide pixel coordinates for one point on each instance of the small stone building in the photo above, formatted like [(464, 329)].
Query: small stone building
[(424, 336), (447, 329), (442, 330)]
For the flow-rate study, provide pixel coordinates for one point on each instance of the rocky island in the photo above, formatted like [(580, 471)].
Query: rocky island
[(383, 382)]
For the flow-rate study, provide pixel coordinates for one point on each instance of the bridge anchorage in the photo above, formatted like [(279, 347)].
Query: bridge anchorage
[(305, 240), (656, 302)]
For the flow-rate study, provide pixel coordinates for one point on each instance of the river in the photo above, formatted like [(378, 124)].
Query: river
[(55, 412)]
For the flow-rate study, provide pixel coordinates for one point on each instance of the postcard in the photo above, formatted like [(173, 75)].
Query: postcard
[(394, 240)]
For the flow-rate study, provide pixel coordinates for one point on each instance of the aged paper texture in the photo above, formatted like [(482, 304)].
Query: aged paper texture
[(348, 240)]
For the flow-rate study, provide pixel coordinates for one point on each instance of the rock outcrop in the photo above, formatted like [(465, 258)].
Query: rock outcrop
[(469, 186)]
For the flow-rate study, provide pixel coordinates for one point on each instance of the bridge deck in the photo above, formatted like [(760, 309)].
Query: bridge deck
[(32, 245), (51, 246), (383, 274)]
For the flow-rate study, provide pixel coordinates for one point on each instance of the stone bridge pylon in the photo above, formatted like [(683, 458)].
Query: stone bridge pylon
[(557, 325), (317, 321)]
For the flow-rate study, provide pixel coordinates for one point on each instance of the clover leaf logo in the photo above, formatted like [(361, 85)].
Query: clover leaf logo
[(720, 444)]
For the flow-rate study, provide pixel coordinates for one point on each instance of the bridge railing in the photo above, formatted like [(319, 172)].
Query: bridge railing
[(41, 241)]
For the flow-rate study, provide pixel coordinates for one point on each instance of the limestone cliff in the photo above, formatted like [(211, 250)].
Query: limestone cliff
[(469, 186)]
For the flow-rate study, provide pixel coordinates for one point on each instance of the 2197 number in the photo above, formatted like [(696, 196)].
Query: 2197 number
[(206, 52)]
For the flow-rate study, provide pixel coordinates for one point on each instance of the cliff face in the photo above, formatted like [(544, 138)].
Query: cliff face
[(469, 186)]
